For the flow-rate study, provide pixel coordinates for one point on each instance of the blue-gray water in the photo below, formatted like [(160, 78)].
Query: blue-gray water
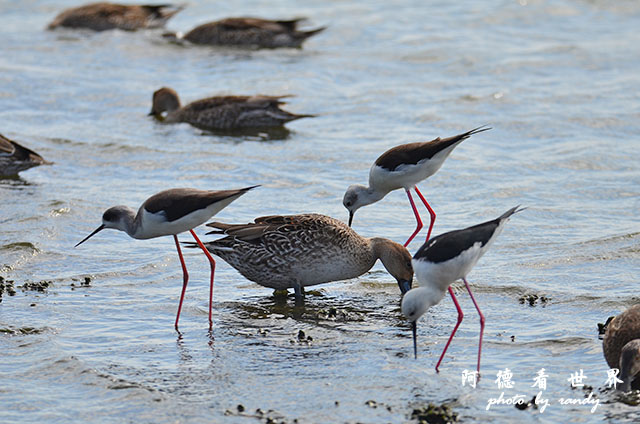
[(557, 81)]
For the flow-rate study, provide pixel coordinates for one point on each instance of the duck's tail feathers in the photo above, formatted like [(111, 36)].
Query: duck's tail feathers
[(303, 35), (291, 24), (163, 12), (285, 116), (294, 116)]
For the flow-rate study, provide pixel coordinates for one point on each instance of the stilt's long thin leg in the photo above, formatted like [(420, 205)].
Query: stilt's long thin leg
[(185, 275), (415, 211), (460, 316), (481, 320), (431, 212), (213, 270)]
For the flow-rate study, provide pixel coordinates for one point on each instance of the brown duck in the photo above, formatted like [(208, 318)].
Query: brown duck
[(296, 251), (15, 157), (222, 112), (251, 33), (104, 16), (621, 346)]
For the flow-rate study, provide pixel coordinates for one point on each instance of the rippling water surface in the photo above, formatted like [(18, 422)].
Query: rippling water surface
[(557, 81)]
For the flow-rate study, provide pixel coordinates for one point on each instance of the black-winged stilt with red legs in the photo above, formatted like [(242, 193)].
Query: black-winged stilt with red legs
[(404, 166), (170, 213), (443, 260)]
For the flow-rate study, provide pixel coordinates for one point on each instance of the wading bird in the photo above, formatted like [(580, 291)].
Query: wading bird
[(443, 260), (404, 166), (170, 213)]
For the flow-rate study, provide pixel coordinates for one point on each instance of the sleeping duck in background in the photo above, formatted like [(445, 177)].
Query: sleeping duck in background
[(105, 16), (248, 33), (222, 112), (15, 158)]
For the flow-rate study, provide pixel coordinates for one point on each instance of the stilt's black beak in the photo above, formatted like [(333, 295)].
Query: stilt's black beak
[(415, 339), (350, 218), (90, 235), (404, 285)]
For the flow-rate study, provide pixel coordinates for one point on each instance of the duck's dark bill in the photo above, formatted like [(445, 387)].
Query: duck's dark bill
[(404, 285)]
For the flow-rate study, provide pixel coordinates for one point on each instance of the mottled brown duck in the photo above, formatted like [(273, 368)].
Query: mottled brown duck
[(222, 112), (251, 33), (15, 157), (621, 346), (296, 251), (105, 16)]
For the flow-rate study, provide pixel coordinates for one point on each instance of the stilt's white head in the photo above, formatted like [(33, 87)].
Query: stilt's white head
[(117, 217), (414, 304), (357, 196)]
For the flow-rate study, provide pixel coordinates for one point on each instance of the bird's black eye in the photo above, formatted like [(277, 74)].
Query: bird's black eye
[(348, 204), (109, 216)]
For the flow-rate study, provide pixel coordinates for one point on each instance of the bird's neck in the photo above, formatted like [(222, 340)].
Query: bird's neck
[(371, 195), (379, 246), (385, 250), (130, 222)]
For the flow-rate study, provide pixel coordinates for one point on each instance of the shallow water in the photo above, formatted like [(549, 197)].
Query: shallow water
[(558, 82)]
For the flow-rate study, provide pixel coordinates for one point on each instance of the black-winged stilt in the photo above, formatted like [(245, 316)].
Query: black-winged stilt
[(172, 212), (443, 260), (404, 166)]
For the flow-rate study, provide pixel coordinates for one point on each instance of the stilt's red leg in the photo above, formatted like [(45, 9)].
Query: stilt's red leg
[(481, 320), (185, 280), (431, 212), (415, 211), (213, 270), (460, 316)]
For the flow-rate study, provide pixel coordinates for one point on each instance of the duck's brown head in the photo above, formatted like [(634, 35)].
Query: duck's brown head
[(164, 100)]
